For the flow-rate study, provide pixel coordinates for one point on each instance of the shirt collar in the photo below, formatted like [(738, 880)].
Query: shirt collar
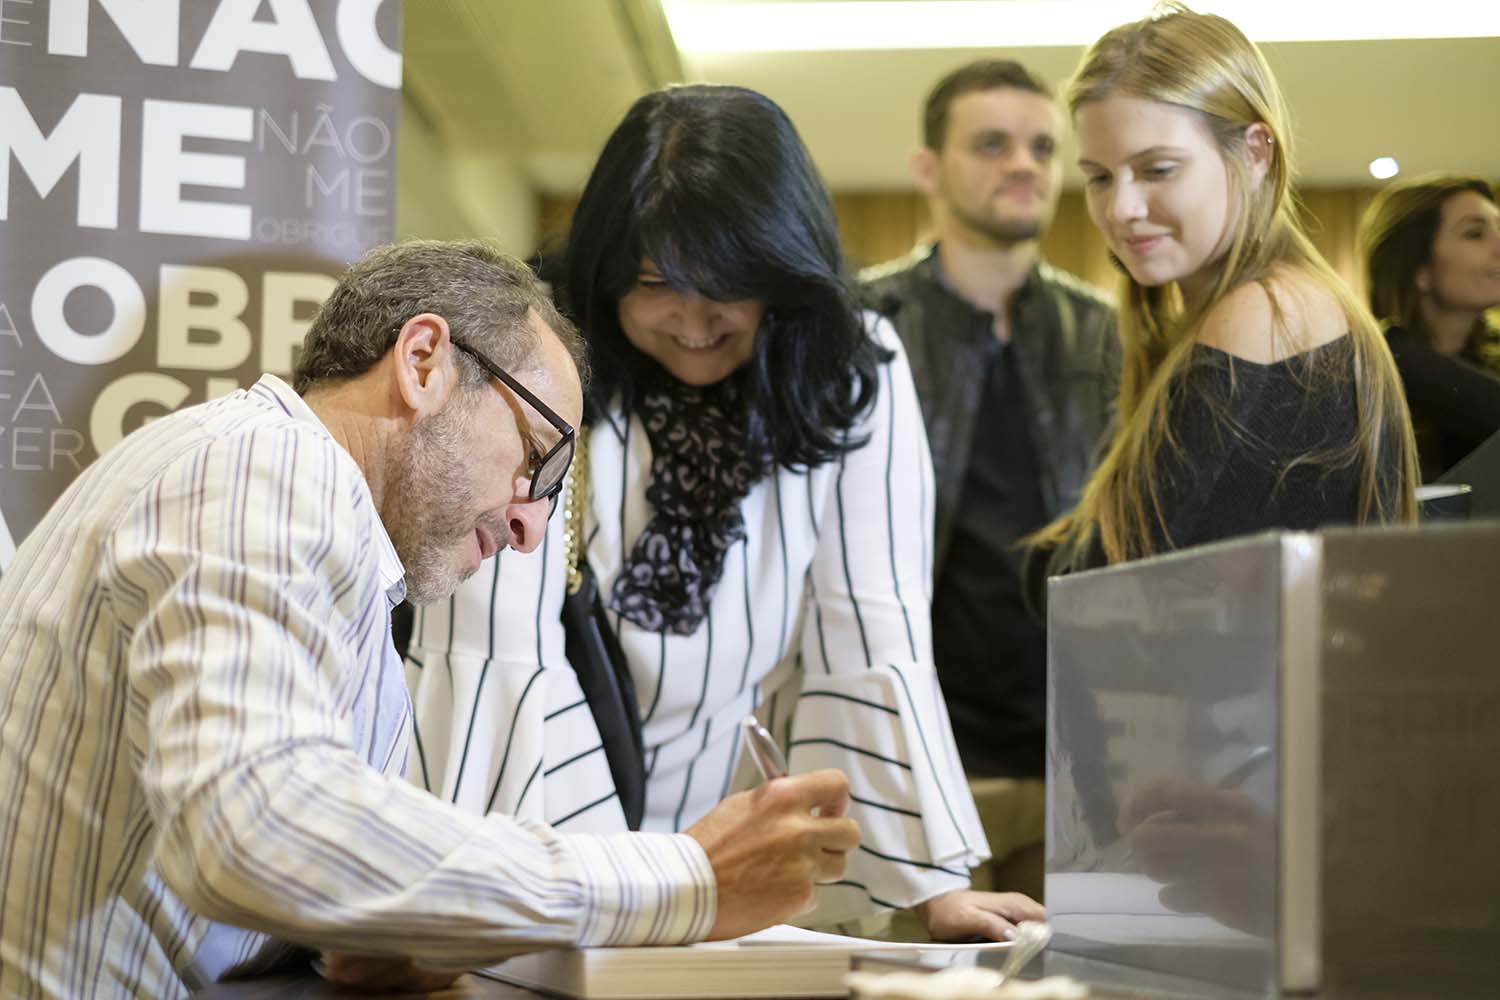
[(392, 573), (934, 268)]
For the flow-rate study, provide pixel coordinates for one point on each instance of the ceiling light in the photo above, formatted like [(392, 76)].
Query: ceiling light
[(1383, 168), (717, 26)]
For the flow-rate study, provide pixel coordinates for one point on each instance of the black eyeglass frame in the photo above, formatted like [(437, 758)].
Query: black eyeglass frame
[(566, 441)]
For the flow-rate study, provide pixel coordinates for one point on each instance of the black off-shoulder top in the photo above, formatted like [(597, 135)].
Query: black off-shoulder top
[(1244, 432), (1249, 453)]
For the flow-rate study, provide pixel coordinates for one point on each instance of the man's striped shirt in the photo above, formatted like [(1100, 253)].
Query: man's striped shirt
[(203, 724)]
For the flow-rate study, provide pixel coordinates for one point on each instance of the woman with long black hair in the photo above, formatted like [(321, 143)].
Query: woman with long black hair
[(758, 515)]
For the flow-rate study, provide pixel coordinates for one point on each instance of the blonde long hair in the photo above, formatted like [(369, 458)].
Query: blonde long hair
[(1204, 64)]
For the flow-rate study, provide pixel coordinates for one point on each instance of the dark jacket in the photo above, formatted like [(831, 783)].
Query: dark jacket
[(1067, 355), (1454, 401)]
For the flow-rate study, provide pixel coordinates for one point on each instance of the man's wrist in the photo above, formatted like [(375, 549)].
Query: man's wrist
[(643, 888)]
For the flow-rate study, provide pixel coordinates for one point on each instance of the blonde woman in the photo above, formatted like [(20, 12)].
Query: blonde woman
[(1256, 390)]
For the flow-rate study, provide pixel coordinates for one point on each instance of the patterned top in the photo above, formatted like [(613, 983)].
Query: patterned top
[(819, 625), (202, 721)]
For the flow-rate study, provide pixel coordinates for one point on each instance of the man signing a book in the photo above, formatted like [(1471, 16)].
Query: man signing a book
[(203, 721)]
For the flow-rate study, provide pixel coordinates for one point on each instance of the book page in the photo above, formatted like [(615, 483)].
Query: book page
[(783, 935)]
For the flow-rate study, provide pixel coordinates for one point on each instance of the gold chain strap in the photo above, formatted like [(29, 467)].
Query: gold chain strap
[(577, 500)]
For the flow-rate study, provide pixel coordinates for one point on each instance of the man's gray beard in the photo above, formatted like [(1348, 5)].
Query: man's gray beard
[(427, 584), (426, 504)]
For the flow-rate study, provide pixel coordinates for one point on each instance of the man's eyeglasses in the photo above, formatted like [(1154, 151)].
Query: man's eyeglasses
[(548, 471)]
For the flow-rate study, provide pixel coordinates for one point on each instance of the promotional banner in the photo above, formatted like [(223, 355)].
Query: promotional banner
[(180, 180)]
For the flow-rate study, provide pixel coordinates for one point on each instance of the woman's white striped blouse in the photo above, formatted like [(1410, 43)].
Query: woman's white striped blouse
[(820, 625)]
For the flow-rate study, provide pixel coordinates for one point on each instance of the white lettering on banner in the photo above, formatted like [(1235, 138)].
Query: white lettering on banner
[(363, 191), (53, 329), (365, 139), (10, 24), (49, 444), (281, 331), (371, 192), (365, 152), (61, 442), (338, 235), (288, 142), (18, 447), (88, 132), (179, 317), (8, 326), (37, 390), (5, 373), (369, 56), (324, 132), (339, 186), (107, 420), (166, 167), (150, 26), (289, 300), (293, 33)]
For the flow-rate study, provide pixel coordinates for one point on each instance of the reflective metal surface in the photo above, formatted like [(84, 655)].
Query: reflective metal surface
[(1162, 763), (1274, 763)]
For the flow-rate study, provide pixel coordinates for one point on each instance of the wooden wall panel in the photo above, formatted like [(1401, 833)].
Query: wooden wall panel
[(877, 226), (553, 216), (1073, 244), (1331, 217)]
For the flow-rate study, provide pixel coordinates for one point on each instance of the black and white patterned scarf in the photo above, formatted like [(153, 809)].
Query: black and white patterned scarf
[(702, 466)]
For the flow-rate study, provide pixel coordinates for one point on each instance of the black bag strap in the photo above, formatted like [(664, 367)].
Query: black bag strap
[(594, 651)]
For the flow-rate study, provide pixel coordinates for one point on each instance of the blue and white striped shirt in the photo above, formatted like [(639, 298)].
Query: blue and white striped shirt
[(820, 624), (202, 724)]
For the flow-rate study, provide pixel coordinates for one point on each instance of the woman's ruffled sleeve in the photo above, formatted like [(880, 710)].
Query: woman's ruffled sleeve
[(870, 703)]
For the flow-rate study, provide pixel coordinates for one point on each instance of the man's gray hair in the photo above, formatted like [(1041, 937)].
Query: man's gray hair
[(484, 295)]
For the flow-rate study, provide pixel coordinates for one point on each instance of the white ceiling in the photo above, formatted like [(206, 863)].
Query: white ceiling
[(545, 80)]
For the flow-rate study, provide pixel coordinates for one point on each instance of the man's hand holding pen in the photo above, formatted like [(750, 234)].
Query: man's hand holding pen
[(958, 915), (770, 846)]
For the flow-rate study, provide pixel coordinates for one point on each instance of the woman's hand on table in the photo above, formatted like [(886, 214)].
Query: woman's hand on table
[(969, 913)]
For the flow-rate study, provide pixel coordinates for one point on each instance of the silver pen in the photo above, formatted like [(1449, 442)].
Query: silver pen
[(763, 749), (1236, 777)]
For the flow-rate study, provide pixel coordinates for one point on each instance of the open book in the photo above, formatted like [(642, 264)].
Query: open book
[(780, 961)]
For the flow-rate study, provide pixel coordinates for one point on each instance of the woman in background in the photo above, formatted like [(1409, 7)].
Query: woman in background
[(1432, 257), (759, 519), (1257, 392)]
